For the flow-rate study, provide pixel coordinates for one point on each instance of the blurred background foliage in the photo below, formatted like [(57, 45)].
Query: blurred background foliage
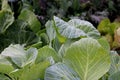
[(91, 10)]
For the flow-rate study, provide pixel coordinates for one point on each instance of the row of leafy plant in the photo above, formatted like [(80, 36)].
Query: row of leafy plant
[(91, 10), (72, 50)]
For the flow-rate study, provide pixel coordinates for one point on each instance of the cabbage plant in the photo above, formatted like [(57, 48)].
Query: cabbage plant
[(70, 50), (86, 59)]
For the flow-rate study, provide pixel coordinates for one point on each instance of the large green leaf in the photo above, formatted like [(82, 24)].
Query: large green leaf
[(85, 26), (60, 71), (75, 28), (5, 65), (31, 19), (88, 58), (45, 52), (67, 30), (19, 56), (85, 59)]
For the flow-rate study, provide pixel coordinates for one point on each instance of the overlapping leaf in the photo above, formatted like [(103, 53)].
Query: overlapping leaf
[(60, 71), (85, 26), (50, 31), (3, 77), (5, 65), (85, 57), (19, 56), (88, 58), (6, 16), (64, 48), (115, 62), (75, 28), (67, 30), (35, 72), (45, 52), (31, 19), (19, 34), (115, 76)]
